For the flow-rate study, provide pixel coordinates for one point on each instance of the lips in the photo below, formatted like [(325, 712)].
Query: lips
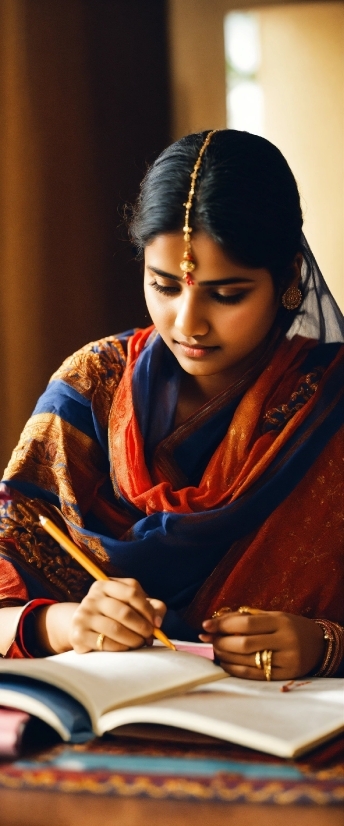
[(195, 350)]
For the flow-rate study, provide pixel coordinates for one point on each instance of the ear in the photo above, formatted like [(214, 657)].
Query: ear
[(293, 274), (295, 271)]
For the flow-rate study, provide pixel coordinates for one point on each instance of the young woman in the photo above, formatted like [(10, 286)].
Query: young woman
[(198, 460)]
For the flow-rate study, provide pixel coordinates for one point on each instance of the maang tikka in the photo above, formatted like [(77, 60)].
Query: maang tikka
[(188, 264)]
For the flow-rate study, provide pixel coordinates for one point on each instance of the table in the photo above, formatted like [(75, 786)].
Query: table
[(59, 809), (133, 781)]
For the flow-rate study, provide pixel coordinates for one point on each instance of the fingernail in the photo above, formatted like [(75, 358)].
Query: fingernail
[(158, 622), (208, 624)]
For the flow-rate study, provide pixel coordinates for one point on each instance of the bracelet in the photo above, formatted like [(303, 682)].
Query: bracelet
[(334, 638)]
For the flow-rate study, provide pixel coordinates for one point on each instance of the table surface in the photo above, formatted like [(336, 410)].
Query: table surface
[(31, 808)]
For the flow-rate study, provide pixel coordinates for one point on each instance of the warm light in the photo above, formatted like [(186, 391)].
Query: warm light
[(242, 42), (245, 104), (245, 107)]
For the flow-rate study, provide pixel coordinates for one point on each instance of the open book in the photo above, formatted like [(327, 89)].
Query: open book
[(85, 695)]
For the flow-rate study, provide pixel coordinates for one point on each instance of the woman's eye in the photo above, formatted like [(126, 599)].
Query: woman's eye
[(229, 299), (164, 290)]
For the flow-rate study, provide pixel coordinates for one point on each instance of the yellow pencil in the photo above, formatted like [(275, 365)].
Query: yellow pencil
[(89, 566)]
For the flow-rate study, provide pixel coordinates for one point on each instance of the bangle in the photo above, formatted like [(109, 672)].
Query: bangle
[(334, 641)]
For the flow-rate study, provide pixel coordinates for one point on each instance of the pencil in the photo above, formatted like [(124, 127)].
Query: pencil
[(89, 566)]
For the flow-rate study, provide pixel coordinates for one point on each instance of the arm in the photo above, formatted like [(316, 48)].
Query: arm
[(119, 609)]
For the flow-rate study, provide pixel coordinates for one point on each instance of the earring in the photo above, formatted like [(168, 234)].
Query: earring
[(292, 298)]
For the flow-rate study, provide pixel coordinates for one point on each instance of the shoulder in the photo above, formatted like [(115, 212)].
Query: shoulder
[(94, 371), (99, 361)]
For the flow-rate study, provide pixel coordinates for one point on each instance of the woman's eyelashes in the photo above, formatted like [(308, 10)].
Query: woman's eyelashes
[(219, 297), (229, 299), (164, 290)]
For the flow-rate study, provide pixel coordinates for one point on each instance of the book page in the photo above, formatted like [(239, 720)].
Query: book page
[(103, 681), (281, 724), (324, 689)]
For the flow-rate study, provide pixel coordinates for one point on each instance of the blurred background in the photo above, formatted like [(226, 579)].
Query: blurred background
[(90, 92)]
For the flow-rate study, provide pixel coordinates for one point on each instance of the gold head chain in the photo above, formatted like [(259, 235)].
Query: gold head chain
[(188, 264)]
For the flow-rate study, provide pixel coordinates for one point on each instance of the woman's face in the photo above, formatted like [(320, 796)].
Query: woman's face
[(217, 326)]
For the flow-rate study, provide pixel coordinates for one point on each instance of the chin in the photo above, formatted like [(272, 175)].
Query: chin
[(197, 369)]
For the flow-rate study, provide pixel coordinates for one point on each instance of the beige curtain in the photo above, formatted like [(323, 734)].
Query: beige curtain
[(78, 119)]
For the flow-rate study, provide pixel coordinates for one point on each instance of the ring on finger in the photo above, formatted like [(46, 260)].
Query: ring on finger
[(221, 612), (100, 642), (258, 660), (267, 663)]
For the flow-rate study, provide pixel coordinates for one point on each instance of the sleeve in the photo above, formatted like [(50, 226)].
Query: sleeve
[(13, 593), (60, 469)]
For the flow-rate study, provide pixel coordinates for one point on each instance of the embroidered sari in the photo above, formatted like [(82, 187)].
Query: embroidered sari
[(242, 503)]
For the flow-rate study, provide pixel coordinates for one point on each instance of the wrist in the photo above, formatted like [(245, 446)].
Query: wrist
[(53, 626), (333, 648)]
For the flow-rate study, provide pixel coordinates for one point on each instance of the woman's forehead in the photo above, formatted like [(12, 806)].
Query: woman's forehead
[(212, 261)]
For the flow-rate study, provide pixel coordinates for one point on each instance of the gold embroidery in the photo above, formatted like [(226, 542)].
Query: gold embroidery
[(277, 417), (95, 371), (53, 455), (93, 543), (39, 554)]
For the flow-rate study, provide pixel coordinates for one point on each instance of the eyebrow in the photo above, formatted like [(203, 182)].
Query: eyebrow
[(235, 279)]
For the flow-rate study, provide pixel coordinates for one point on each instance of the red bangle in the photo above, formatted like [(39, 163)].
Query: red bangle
[(334, 639), (29, 607)]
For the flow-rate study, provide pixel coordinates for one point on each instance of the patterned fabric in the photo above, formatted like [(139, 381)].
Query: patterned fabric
[(240, 504), (189, 771)]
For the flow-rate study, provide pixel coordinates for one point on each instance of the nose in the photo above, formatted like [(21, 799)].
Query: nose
[(190, 319)]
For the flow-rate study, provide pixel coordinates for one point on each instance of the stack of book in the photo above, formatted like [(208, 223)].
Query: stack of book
[(83, 696)]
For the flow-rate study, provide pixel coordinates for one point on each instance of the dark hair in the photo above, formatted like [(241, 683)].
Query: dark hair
[(246, 199)]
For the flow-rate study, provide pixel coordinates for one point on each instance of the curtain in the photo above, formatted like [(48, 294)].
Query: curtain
[(84, 106)]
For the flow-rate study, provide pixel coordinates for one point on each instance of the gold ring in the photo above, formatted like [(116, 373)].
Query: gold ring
[(221, 612), (245, 609), (257, 660), (99, 643), (267, 663)]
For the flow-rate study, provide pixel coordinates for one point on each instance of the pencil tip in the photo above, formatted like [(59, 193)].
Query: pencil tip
[(42, 519)]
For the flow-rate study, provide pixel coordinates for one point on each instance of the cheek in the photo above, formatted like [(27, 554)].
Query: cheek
[(251, 321), (151, 303), (159, 310)]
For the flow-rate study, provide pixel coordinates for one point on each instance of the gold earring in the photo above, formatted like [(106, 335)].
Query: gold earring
[(292, 298)]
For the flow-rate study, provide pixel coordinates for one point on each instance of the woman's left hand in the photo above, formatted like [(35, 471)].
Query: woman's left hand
[(297, 643)]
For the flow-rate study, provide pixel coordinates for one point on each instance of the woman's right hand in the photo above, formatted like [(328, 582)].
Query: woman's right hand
[(119, 609)]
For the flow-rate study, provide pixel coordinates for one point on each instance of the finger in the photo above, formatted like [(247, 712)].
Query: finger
[(248, 660), (245, 645), (248, 673), (128, 591), (86, 640), (108, 644), (116, 631), (159, 609), (263, 623), (125, 615)]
